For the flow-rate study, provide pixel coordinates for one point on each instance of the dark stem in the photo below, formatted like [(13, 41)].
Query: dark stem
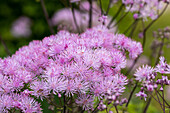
[(47, 17), (116, 109), (133, 29), (74, 18), (82, 111), (90, 13), (158, 99), (113, 18), (132, 66), (147, 105), (100, 2), (96, 108), (131, 94), (108, 8), (160, 50), (130, 97), (129, 27), (63, 3), (64, 107), (121, 18), (5, 46), (163, 99)]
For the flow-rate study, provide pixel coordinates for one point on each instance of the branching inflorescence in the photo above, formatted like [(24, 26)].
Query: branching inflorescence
[(83, 71)]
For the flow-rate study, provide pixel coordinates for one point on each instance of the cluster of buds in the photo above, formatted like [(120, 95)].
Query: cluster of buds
[(111, 100), (161, 38), (162, 33)]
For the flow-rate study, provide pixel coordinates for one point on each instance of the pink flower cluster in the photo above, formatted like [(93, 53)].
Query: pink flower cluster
[(87, 65), (149, 79), (144, 8)]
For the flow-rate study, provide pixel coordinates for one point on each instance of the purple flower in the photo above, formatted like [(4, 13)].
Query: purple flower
[(162, 67), (21, 27), (144, 73), (85, 101), (142, 95)]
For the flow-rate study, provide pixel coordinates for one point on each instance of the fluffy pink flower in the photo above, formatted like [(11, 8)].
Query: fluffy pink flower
[(144, 73), (162, 67), (85, 101)]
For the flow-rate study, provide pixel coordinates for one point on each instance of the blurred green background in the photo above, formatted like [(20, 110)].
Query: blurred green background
[(10, 10)]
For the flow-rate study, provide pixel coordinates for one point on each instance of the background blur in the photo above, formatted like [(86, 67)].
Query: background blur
[(22, 21)]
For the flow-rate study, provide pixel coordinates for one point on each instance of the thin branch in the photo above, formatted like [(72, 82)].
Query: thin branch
[(133, 29), (121, 18), (47, 17), (163, 99), (96, 107), (132, 66), (90, 13), (5, 46), (100, 2), (159, 99), (116, 109), (147, 105), (131, 94), (74, 18), (108, 8), (131, 25), (113, 18), (64, 107), (160, 51)]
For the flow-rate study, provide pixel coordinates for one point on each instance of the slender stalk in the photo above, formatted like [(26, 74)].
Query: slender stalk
[(116, 109), (132, 66), (158, 99), (100, 2), (106, 110), (113, 18), (131, 25), (47, 17), (5, 46), (108, 8), (90, 13), (133, 29), (163, 101), (160, 50), (131, 94), (63, 3), (121, 18), (64, 107), (82, 111), (163, 98), (74, 18), (147, 105), (96, 108)]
